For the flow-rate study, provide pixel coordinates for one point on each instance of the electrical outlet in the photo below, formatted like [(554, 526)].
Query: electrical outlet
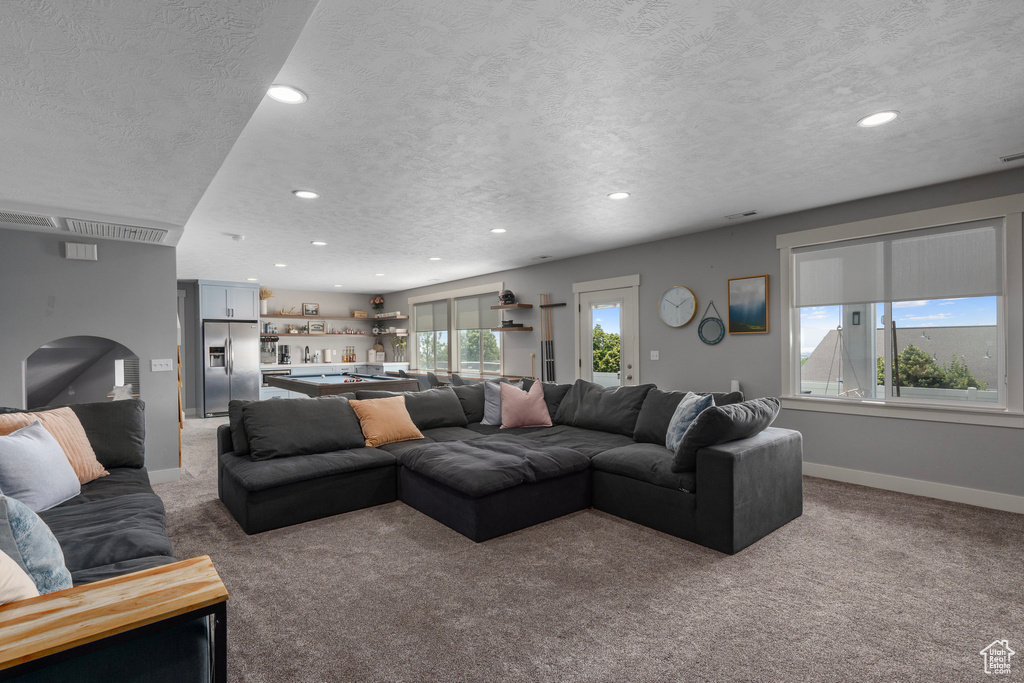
[(161, 365), (654, 355)]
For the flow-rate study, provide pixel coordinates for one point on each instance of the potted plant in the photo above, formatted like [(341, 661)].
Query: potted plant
[(265, 293)]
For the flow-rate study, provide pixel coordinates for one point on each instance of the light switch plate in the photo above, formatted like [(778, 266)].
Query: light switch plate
[(161, 365), (654, 355)]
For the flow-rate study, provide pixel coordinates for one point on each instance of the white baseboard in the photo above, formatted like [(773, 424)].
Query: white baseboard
[(165, 476), (917, 487)]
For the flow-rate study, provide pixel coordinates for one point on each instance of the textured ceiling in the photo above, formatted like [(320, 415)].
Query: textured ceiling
[(431, 121), (125, 109)]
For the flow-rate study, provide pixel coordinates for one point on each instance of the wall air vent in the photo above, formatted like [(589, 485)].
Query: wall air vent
[(745, 214), (26, 219), (1012, 157), (113, 231)]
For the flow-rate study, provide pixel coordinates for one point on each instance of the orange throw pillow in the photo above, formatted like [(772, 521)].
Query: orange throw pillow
[(67, 429), (385, 420)]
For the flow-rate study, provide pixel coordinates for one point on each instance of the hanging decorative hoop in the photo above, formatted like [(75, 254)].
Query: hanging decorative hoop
[(712, 329)]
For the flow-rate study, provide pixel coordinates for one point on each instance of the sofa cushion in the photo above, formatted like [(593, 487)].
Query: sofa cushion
[(659, 406), (521, 408), (720, 424), (115, 429), (471, 397), (553, 396), (67, 429), (646, 462), (450, 434), (593, 406), (590, 442), (260, 475), (491, 430), (34, 469), (439, 407), (38, 550), (239, 437), (122, 481), (686, 412), (483, 466), (111, 530), (299, 426), (385, 420)]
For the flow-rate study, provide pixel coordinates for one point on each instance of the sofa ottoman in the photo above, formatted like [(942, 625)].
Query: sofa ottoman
[(493, 485)]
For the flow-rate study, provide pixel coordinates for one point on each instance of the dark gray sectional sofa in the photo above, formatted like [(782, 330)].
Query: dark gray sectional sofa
[(116, 526), (738, 482)]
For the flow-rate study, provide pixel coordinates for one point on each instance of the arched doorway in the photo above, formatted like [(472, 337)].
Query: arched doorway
[(79, 369)]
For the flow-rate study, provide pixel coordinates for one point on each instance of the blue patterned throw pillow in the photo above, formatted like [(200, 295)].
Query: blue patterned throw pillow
[(39, 550), (686, 412)]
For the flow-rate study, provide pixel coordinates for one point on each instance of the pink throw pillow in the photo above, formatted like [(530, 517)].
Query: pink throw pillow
[(523, 408)]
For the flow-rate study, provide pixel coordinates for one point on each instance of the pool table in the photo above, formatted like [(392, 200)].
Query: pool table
[(348, 382)]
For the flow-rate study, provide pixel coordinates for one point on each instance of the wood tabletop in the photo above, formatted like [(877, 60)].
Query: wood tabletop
[(51, 623)]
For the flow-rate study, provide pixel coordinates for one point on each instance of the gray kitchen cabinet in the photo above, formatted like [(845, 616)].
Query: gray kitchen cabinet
[(229, 301)]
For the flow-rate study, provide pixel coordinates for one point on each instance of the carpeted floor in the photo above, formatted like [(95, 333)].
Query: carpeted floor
[(868, 585)]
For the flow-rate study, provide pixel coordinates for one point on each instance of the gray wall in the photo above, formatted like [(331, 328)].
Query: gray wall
[(128, 296), (986, 458)]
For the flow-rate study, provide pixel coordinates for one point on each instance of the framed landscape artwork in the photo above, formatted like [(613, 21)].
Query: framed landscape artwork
[(748, 305)]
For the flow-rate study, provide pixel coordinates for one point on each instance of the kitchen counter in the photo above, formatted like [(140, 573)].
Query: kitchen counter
[(388, 365)]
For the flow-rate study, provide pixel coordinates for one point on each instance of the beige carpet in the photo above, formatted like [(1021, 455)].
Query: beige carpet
[(868, 585)]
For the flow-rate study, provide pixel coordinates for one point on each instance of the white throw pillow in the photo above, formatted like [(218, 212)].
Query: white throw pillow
[(15, 584), (34, 469)]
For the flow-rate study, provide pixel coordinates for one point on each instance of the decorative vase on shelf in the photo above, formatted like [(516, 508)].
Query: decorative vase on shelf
[(263, 306)]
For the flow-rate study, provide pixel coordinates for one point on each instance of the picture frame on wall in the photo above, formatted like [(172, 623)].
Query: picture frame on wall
[(311, 310), (748, 305), (316, 326)]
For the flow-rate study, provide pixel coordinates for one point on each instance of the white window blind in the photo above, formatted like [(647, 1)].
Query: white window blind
[(430, 317), (474, 312), (961, 260)]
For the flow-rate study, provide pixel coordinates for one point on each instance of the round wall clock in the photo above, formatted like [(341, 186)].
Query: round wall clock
[(678, 306)]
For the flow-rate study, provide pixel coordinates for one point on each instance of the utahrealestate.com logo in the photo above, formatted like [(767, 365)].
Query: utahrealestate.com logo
[(997, 657)]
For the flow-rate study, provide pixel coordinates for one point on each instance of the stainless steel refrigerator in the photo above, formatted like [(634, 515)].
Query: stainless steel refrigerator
[(231, 364)]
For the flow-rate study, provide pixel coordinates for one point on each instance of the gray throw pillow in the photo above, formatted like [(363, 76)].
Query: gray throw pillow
[(38, 550), (658, 407), (492, 401), (35, 470), (439, 407), (719, 424), (239, 437), (471, 396), (686, 412), (592, 406), (301, 426)]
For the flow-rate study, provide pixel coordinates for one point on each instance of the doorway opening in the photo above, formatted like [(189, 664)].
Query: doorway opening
[(80, 369), (607, 331)]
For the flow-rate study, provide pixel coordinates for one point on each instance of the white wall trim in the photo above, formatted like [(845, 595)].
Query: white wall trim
[(165, 476), (455, 293), (606, 283), (918, 487)]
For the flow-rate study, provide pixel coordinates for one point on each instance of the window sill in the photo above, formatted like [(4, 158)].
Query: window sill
[(993, 417)]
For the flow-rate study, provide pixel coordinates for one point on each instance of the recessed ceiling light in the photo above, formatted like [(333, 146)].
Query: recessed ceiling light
[(619, 195), (878, 119), (435, 258), (253, 279), (498, 231), (280, 265), (318, 243), (305, 194), (339, 285), (286, 94), (378, 274)]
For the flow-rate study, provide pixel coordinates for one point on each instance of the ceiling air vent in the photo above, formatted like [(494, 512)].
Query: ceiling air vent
[(113, 231), (26, 219), (745, 214), (1012, 157)]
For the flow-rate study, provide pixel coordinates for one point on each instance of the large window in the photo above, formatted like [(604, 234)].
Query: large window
[(911, 318), (430, 326), (479, 347)]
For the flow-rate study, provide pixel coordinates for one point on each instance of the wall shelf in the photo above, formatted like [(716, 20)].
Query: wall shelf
[(552, 305), (511, 329), (331, 317), (504, 307)]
